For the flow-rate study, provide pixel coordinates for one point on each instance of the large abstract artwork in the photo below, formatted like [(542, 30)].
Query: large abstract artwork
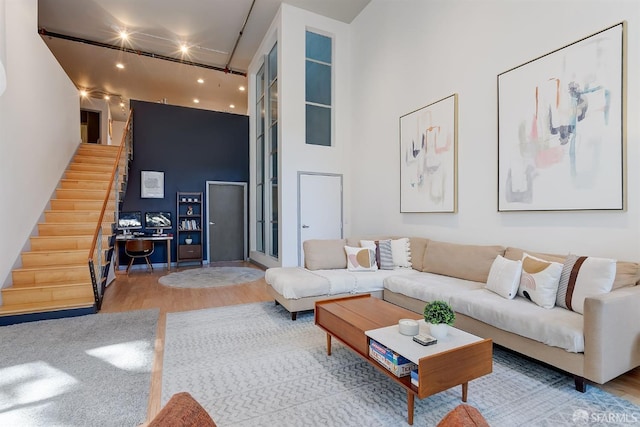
[(560, 139), (428, 144)]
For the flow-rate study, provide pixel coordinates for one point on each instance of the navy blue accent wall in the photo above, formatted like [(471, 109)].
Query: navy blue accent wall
[(191, 147)]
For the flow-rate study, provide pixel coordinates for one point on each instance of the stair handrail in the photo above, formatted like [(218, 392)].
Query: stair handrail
[(96, 253)]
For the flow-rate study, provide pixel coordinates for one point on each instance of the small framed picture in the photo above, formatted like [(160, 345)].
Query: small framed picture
[(152, 185)]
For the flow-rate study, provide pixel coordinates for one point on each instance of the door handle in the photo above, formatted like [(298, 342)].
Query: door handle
[(305, 226), (212, 223)]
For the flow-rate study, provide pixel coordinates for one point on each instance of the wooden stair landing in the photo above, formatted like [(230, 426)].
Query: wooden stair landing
[(54, 279)]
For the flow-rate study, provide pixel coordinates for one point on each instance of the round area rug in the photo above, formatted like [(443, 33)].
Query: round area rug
[(209, 277)]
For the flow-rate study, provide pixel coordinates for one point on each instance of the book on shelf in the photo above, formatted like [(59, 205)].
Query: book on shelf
[(395, 363), (414, 378)]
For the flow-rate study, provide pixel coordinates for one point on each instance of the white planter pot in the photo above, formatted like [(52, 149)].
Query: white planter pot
[(439, 331), (188, 241)]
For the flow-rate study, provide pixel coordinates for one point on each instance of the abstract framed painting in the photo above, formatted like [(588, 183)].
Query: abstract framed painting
[(151, 185), (560, 128), (428, 157)]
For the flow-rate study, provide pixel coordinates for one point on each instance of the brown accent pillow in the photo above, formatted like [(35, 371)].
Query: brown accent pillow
[(469, 262), (418, 246), (324, 254), (627, 274)]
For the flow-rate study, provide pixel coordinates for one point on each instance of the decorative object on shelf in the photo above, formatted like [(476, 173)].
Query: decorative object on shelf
[(439, 315), (189, 210), (408, 327), (428, 157), (151, 185), (188, 240), (560, 128)]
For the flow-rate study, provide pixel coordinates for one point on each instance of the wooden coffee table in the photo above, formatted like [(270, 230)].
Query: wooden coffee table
[(456, 360)]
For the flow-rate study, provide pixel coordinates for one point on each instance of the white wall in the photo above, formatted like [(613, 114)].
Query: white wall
[(294, 154), (118, 130), (409, 54), (39, 128)]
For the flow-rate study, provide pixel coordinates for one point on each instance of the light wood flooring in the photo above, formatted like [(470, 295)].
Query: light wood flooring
[(141, 290)]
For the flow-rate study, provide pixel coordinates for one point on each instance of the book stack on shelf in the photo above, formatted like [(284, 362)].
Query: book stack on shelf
[(189, 224), (394, 362)]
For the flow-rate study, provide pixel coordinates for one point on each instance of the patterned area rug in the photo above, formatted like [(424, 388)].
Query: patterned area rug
[(90, 370), (209, 277), (250, 365)]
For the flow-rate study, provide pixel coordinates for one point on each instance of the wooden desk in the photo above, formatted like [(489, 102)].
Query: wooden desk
[(121, 238)]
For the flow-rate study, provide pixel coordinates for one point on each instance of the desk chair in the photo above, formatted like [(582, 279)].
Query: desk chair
[(139, 249)]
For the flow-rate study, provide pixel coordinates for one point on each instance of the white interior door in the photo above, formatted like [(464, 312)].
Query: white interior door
[(319, 208)]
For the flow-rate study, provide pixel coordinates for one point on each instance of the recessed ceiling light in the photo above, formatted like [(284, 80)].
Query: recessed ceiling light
[(107, 97), (241, 88), (184, 48), (120, 65), (123, 34), (232, 106), (197, 101), (122, 104), (200, 81), (83, 93)]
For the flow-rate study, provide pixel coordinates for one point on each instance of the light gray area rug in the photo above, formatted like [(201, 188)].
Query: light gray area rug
[(250, 365), (91, 370), (209, 277)]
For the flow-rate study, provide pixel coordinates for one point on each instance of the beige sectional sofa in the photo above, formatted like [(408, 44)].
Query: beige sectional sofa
[(597, 345)]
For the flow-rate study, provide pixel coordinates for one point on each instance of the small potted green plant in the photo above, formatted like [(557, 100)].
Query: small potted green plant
[(439, 315)]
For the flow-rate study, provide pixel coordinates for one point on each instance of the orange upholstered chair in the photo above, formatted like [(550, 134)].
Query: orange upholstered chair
[(463, 416), (182, 410)]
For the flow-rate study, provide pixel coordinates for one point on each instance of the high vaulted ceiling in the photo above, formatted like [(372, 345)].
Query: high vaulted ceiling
[(83, 36)]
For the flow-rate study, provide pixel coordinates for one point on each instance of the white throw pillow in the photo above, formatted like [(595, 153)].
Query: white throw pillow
[(539, 280), (584, 277), (504, 277), (361, 259), (401, 252)]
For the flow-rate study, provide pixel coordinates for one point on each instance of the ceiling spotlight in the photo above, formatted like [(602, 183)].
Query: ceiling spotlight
[(123, 35), (107, 97), (197, 101), (122, 104), (232, 106), (84, 93), (200, 81), (184, 48), (120, 65), (241, 88)]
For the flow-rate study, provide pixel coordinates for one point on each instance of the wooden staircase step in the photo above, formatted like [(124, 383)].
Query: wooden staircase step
[(27, 308), (34, 259), (71, 229), (69, 216), (84, 184), (87, 167), (56, 274), (53, 243), (88, 176), (99, 150), (93, 160), (47, 293), (64, 193), (81, 205)]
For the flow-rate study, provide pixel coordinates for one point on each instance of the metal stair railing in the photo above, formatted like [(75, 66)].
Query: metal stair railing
[(99, 257)]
